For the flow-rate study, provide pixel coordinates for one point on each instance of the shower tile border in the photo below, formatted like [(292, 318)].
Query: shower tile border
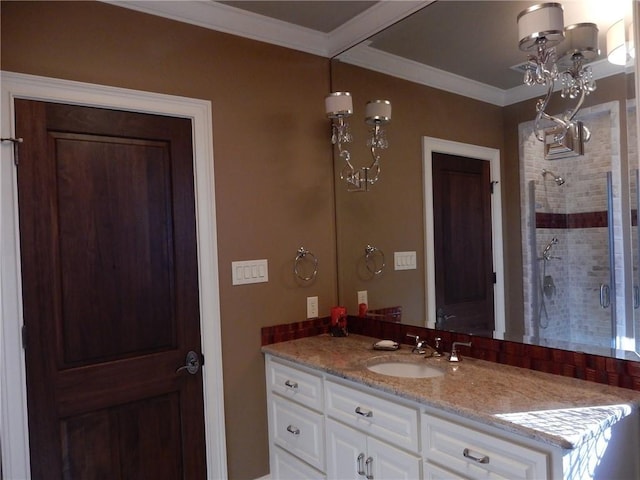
[(571, 220)]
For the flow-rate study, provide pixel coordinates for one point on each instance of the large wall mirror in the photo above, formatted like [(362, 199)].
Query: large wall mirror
[(562, 232)]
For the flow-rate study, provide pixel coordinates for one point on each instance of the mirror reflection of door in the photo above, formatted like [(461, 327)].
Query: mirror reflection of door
[(462, 243)]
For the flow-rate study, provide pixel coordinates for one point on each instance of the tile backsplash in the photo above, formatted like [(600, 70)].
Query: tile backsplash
[(594, 368)]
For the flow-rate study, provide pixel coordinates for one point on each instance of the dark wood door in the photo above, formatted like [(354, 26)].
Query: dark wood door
[(110, 293), (462, 244)]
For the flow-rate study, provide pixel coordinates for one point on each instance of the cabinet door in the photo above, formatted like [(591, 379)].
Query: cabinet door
[(389, 463), (346, 452), (353, 455)]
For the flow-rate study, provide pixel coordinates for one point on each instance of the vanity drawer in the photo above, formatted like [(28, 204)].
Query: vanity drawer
[(473, 454), (393, 422), (294, 384), (285, 466), (298, 430)]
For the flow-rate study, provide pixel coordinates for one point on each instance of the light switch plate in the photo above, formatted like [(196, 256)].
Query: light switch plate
[(405, 260), (249, 271)]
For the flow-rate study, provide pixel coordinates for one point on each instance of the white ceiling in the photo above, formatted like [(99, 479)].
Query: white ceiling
[(464, 46)]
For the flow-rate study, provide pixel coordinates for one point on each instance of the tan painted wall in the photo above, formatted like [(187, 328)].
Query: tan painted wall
[(273, 167)]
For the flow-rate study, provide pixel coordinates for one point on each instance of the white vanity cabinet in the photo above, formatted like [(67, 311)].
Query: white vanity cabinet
[(322, 426)]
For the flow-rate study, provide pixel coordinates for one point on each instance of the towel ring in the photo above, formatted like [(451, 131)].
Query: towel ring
[(301, 254), (370, 254)]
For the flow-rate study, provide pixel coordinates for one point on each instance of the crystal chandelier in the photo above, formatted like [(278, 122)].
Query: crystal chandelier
[(339, 107), (542, 33)]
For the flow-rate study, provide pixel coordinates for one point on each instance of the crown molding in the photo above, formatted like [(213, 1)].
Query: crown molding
[(224, 18)]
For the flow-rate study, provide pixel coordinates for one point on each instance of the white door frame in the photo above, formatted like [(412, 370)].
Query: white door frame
[(432, 145), (14, 433)]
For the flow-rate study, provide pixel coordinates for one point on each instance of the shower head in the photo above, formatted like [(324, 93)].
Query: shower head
[(556, 178)]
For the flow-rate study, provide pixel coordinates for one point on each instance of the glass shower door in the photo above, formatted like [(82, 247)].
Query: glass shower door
[(573, 240)]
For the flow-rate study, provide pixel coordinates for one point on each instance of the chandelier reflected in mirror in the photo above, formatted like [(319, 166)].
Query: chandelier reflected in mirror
[(558, 53), (339, 107)]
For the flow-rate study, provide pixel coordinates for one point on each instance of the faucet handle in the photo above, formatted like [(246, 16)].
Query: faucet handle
[(437, 347), (419, 344), (454, 351), (415, 337)]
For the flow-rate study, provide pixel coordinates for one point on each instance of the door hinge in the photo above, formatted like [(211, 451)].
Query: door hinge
[(492, 184), (494, 278), (24, 337), (16, 142)]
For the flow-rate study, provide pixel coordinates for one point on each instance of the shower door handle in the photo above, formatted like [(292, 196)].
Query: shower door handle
[(636, 297), (605, 295)]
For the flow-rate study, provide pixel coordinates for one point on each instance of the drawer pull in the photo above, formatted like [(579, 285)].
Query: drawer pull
[(369, 466), (291, 384), (293, 430), (360, 465), (483, 459), (364, 413)]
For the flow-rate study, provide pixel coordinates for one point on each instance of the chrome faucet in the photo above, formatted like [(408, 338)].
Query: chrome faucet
[(454, 351), (418, 348)]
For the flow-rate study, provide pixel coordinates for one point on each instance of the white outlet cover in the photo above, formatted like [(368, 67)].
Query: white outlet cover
[(363, 297), (312, 307)]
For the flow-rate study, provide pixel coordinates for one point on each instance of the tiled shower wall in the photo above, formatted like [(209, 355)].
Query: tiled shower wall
[(568, 311)]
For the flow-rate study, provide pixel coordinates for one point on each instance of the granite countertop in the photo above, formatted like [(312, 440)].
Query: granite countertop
[(557, 410)]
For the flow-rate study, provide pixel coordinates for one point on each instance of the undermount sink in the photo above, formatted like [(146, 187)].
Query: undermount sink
[(405, 369)]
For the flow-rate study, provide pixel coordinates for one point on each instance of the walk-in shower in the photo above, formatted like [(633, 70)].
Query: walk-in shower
[(569, 226)]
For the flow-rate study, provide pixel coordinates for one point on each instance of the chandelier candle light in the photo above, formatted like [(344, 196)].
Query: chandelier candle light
[(558, 53), (620, 49), (339, 106)]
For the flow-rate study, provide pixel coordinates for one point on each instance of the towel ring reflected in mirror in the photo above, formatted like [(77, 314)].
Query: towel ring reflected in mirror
[(304, 256), (374, 260)]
